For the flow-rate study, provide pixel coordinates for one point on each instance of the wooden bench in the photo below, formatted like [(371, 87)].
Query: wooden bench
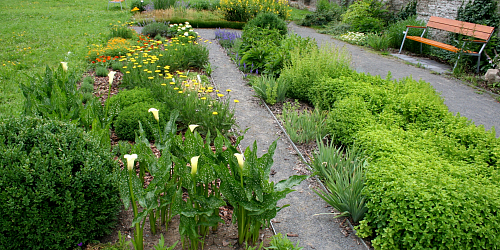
[(477, 33)]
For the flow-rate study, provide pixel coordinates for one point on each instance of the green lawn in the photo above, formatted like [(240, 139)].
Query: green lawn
[(46, 32), (297, 14)]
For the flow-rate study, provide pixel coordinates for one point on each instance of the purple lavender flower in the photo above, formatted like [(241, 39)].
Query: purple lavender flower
[(80, 244)]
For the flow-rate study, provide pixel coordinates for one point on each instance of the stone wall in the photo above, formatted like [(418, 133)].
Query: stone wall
[(428, 8)]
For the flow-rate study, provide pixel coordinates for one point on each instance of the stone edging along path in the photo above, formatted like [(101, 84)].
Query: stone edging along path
[(297, 220)]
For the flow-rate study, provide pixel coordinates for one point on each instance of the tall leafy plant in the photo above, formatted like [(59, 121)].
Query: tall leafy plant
[(247, 188)]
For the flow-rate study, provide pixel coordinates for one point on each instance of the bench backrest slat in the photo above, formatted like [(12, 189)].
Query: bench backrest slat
[(469, 29)]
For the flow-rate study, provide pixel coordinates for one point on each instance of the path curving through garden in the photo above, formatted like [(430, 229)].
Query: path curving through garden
[(298, 221)]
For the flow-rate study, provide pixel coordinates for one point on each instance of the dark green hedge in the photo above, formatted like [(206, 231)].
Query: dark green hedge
[(57, 187), (200, 23)]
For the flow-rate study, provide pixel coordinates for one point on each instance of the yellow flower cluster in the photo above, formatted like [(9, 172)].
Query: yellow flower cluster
[(115, 47), (246, 9)]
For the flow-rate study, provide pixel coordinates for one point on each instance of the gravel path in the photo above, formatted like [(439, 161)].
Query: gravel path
[(314, 232), (481, 108)]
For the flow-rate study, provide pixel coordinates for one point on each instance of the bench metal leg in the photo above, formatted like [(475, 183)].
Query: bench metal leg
[(478, 61), (404, 38), (456, 63)]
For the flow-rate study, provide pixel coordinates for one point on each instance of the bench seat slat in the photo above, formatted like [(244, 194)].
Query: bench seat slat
[(460, 27), (438, 44)]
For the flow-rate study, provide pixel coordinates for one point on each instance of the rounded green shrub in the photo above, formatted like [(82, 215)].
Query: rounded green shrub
[(126, 98), (127, 121), (305, 69), (87, 97), (58, 186), (154, 29), (347, 117), (268, 20)]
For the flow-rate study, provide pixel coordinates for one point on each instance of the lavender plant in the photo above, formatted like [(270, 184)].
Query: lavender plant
[(226, 38)]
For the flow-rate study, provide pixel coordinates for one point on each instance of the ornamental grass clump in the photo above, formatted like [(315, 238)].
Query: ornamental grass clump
[(270, 89), (303, 126), (377, 42), (344, 177)]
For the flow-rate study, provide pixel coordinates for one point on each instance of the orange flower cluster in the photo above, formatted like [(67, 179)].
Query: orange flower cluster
[(104, 59)]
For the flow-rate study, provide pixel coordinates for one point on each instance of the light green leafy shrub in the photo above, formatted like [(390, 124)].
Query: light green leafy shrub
[(268, 20), (422, 195), (280, 57), (347, 117), (366, 15), (305, 68), (419, 103), (58, 186), (281, 242)]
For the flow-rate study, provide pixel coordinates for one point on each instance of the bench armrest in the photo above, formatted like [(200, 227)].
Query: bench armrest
[(418, 27)]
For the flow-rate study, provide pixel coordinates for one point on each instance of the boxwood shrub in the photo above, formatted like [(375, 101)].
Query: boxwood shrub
[(127, 121), (126, 98), (57, 185)]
